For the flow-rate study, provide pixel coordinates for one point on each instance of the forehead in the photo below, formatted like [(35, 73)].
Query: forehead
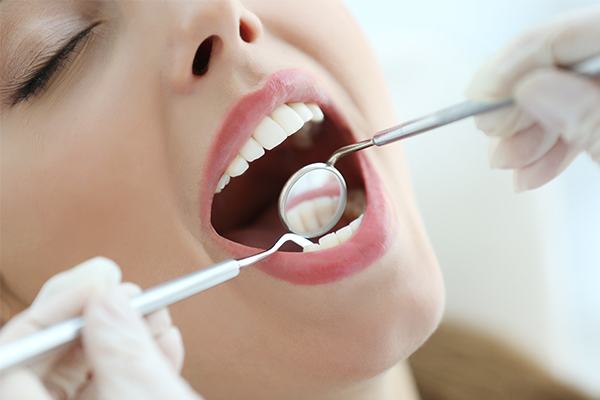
[(13, 11), (26, 16)]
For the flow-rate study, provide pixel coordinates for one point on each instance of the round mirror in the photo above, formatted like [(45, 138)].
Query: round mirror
[(313, 200)]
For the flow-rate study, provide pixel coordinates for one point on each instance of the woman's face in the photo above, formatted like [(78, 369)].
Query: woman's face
[(119, 119)]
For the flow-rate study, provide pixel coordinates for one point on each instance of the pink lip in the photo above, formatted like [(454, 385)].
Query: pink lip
[(364, 248)]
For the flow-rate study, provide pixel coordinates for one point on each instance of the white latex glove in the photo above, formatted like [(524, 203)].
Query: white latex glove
[(122, 356), (558, 113)]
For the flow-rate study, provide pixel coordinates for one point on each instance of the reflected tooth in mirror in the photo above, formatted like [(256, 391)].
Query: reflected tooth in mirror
[(269, 134), (295, 220), (309, 219), (237, 167), (344, 233), (288, 119), (325, 208), (302, 110), (318, 115), (328, 241), (252, 150)]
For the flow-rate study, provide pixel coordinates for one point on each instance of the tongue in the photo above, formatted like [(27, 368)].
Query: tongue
[(261, 233)]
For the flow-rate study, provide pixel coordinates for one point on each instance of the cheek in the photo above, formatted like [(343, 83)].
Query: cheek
[(82, 184)]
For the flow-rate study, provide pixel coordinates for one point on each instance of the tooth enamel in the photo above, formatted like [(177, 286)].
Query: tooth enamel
[(269, 134), (224, 181), (252, 150), (302, 110), (288, 119), (295, 220), (309, 218), (311, 248), (324, 208), (273, 130), (328, 241), (318, 115), (355, 224), (336, 238), (344, 233), (237, 167)]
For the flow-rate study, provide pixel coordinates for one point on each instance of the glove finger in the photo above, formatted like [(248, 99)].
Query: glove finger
[(562, 101), (546, 168), (170, 344), (524, 148), (95, 269), (55, 306), (22, 384), (126, 361), (167, 337), (503, 123), (69, 374), (568, 40), (160, 325)]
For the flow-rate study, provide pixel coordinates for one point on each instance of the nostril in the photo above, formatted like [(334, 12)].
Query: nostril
[(202, 57), (246, 32)]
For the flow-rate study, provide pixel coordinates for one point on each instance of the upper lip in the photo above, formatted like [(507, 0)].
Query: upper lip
[(238, 125)]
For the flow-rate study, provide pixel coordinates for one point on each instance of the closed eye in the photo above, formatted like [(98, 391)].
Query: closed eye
[(36, 80)]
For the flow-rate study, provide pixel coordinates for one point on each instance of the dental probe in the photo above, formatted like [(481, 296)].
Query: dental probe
[(29, 347), (457, 112)]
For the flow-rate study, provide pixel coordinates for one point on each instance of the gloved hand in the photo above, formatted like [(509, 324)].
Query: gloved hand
[(558, 112), (121, 356)]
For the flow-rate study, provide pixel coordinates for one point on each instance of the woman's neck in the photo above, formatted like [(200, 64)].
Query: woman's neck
[(396, 384)]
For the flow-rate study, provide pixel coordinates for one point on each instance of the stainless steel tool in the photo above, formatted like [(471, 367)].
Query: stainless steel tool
[(29, 347), (308, 183)]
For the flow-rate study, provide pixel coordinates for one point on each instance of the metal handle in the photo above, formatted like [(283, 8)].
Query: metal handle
[(181, 288), (589, 68), (29, 347)]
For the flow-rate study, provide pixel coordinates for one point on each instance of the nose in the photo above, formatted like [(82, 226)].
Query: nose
[(202, 30)]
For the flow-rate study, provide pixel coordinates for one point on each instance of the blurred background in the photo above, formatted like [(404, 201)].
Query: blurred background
[(523, 266)]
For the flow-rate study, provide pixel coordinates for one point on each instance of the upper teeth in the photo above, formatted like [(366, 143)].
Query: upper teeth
[(286, 120), (311, 215)]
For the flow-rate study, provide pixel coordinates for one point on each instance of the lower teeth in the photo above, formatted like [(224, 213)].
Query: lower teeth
[(335, 238)]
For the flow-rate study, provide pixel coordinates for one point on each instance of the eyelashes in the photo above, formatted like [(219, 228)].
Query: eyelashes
[(37, 80)]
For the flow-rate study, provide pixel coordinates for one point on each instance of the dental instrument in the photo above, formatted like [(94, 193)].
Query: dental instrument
[(29, 347), (323, 180)]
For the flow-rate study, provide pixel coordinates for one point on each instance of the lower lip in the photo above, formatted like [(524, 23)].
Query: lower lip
[(365, 247)]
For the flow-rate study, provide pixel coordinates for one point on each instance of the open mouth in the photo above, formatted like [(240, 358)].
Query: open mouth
[(267, 136), (245, 208)]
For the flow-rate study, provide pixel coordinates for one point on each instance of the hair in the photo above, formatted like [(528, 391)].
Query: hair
[(456, 363), (10, 304), (462, 363)]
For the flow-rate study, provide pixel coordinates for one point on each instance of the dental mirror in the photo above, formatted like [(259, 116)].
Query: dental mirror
[(313, 200), (311, 185)]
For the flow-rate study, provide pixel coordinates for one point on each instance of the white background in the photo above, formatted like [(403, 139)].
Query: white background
[(526, 266)]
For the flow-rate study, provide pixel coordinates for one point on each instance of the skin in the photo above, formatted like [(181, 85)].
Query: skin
[(107, 161)]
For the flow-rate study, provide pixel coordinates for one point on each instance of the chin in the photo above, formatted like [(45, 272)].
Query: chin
[(382, 316)]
